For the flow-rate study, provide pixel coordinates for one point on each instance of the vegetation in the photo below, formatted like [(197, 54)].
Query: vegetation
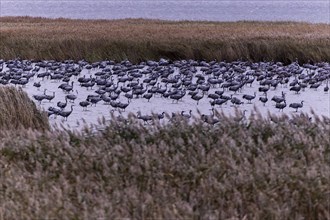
[(140, 40), (267, 168), (18, 111)]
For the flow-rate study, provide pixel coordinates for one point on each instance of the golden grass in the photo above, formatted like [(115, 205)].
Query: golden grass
[(262, 170), (139, 39), (18, 111)]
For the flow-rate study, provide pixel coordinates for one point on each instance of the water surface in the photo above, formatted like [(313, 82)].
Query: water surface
[(306, 11)]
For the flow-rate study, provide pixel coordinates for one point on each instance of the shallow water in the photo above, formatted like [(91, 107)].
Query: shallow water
[(314, 99), (212, 10)]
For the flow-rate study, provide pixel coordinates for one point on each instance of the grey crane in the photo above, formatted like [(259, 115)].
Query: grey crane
[(296, 105), (249, 97), (160, 116), (326, 88), (71, 97), (66, 114), (145, 118), (236, 101), (296, 88), (263, 99), (281, 105), (62, 105), (39, 98), (50, 97), (147, 96), (197, 97), (279, 99), (37, 85), (84, 104), (122, 106), (210, 119)]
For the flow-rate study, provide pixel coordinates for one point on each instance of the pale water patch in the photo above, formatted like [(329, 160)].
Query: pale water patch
[(314, 99)]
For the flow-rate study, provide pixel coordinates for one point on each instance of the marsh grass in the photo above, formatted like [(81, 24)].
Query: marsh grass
[(265, 168), (140, 40), (18, 111)]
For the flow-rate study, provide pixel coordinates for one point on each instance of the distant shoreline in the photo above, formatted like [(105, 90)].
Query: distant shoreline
[(144, 39)]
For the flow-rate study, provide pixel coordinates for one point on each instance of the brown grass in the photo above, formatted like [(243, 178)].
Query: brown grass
[(139, 39), (260, 170), (18, 111)]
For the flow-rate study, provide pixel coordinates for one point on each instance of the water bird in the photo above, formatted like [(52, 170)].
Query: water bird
[(279, 99), (71, 97), (213, 96), (236, 101), (84, 104), (197, 97), (280, 105), (66, 114), (129, 96), (54, 110), (160, 116), (177, 96), (219, 92), (66, 87), (326, 88), (219, 101), (37, 84), (209, 119), (296, 105), (296, 88), (249, 97), (49, 97), (145, 118), (315, 85), (264, 89), (263, 99), (147, 96), (62, 105), (94, 99), (122, 106), (235, 88)]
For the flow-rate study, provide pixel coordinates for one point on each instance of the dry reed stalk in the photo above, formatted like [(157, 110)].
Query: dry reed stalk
[(139, 40), (255, 170), (17, 111)]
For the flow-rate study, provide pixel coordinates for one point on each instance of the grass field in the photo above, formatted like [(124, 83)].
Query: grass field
[(266, 169), (140, 40)]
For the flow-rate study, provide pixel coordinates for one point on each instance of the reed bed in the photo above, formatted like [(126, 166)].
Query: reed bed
[(18, 111), (140, 40), (267, 168)]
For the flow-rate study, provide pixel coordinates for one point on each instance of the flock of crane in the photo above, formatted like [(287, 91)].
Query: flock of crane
[(119, 84)]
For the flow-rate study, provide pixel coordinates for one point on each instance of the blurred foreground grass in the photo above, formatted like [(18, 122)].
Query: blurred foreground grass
[(268, 168)]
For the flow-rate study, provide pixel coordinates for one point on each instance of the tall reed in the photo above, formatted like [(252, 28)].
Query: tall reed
[(140, 40), (268, 168), (18, 111)]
